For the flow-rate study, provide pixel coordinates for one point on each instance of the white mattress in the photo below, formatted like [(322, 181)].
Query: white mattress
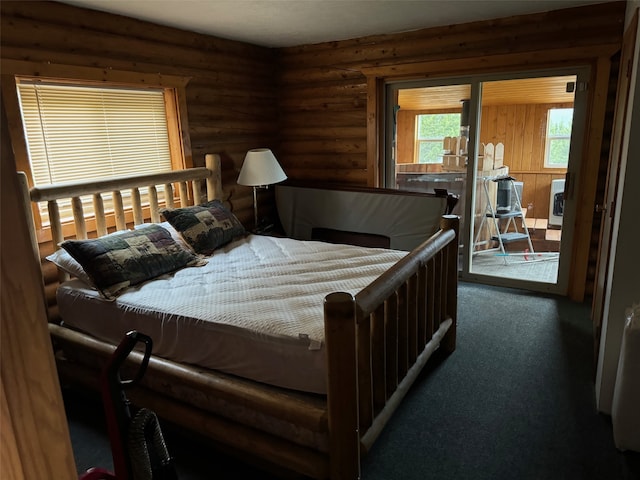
[(255, 310)]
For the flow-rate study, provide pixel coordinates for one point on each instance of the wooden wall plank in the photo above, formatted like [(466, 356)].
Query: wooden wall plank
[(231, 95), (505, 35), (585, 35), (240, 94), (34, 438), (524, 149), (317, 69)]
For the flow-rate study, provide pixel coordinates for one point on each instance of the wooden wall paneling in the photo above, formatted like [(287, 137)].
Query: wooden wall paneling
[(78, 18), (524, 140), (63, 35), (510, 133), (505, 35), (529, 134), (405, 140), (579, 54), (34, 436), (514, 143), (489, 124), (561, 38), (543, 190), (229, 99), (331, 176), (230, 103), (517, 150), (501, 124), (354, 161)]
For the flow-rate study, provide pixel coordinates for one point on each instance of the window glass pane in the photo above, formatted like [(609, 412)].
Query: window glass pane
[(560, 120), (559, 123), (431, 131), (438, 125), (430, 152), (558, 152)]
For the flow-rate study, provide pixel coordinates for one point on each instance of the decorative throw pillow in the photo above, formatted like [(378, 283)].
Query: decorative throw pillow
[(67, 263), (205, 227), (114, 263), (174, 233)]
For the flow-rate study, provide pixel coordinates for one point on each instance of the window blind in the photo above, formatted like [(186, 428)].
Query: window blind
[(88, 132)]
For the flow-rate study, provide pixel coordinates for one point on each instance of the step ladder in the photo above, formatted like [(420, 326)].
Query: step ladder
[(500, 219)]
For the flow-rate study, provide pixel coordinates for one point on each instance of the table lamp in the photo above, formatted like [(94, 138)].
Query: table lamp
[(259, 170)]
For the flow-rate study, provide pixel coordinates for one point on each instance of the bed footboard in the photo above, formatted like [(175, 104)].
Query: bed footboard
[(400, 320)]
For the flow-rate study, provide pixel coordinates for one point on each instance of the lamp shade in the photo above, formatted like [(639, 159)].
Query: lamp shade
[(260, 168)]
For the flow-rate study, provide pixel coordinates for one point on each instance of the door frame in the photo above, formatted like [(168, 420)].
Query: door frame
[(573, 170), (608, 207), (597, 57)]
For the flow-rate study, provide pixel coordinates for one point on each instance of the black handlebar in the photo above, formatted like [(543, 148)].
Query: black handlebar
[(121, 353)]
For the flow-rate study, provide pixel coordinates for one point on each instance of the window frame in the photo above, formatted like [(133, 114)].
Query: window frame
[(174, 88)]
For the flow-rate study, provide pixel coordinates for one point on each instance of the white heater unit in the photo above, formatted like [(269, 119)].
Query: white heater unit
[(556, 203)]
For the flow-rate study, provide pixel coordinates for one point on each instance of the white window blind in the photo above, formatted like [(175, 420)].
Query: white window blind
[(85, 132)]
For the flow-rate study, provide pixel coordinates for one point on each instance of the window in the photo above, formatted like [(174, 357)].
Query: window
[(430, 132), (83, 131), (559, 121)]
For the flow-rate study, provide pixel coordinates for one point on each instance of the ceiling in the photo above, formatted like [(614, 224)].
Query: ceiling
[(287, 23), (503, 92)]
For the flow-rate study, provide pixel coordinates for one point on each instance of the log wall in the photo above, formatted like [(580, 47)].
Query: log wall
[(322, 97), (231, 94), (323, 87), (315, 105), (230, 97), (329, 93)]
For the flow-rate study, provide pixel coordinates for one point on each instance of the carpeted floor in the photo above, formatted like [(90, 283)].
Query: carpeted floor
[(514, 401)]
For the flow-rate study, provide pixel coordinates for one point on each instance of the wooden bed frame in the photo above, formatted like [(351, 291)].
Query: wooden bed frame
[(377, 343)]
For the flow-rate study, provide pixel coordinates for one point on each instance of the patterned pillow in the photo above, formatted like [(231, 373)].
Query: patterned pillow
[(205, 227), (67, 263), (114, 263)]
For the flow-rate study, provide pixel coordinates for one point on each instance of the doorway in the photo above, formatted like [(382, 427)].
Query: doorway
[(509, 146)]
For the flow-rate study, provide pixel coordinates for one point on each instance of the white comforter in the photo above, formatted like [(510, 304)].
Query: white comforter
[(255, 310)]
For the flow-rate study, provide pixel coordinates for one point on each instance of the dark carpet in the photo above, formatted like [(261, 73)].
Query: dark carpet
[(514, 401)]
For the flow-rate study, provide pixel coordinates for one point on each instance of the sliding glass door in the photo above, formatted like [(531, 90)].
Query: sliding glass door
[(509, 147)]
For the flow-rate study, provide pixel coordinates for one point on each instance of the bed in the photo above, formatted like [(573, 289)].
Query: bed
[(369, 340)]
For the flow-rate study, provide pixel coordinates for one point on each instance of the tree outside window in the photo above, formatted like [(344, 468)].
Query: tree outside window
[(559, 122), (430, 132)]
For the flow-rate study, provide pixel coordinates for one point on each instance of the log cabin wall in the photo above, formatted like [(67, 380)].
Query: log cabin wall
[(230, 97), (231, 93), (324, 96), (329, 94)]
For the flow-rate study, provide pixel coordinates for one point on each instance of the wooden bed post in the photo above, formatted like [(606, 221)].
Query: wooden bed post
[(214, 182), (451, 222), (342, 388)]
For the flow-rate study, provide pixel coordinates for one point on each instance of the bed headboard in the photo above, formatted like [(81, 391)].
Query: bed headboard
[(370, 215), (123, 195), (52, 194)]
